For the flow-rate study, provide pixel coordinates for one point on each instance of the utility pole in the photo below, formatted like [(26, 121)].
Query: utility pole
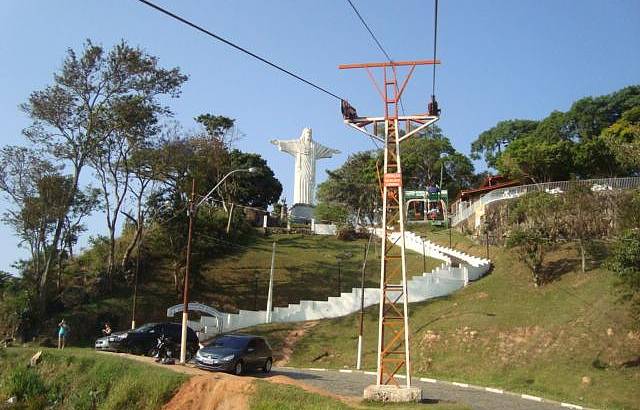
[(360, 333), (230, 216), (339, 277), (135, 284), (193, 207), (393, 324), (449, 220), (255, 290), (185, 291), (270, 294)]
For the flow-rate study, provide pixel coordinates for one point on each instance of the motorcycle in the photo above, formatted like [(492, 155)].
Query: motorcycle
[(164, 350)]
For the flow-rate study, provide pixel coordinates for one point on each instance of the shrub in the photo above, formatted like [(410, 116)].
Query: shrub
[(625, 262)]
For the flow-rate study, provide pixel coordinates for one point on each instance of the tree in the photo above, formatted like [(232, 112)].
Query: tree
[(545, 154), (144, 175), (259, 189), (327, 212), (589, 116), (534, 220), (629, 212), (38, 195), (625, 263), (132, 123), (622, 139), (583, 219), (425, 157), (71, 118), (354, 186), (491, 143)]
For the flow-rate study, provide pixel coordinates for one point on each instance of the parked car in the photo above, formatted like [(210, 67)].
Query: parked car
[(103, 344), (144, 339), (235, 353)]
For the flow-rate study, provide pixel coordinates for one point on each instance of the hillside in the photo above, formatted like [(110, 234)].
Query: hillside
[(568, 340), (306, 267)]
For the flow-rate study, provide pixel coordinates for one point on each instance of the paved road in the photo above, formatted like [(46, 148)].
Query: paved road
[(353, 384)]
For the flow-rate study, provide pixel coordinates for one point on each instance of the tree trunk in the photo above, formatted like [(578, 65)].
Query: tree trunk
[(582, 255), (42, 291), (127, 253)]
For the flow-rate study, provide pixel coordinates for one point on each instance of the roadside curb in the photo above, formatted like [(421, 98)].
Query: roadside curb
[(450, 383)]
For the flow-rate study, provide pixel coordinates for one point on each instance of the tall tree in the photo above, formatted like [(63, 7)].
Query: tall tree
[(132, 122), (71, 118), (491, 143), (543, 155), (425, 158)]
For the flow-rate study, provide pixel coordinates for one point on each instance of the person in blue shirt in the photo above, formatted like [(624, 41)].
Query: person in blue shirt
[(63, 331)]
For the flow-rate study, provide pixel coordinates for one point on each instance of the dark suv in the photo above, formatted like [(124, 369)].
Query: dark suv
[(235, 353), (144, 339)]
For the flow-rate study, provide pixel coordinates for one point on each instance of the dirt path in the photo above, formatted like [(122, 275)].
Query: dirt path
[(221, 391), (290, 341)]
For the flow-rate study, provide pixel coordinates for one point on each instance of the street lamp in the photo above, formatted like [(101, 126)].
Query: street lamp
[(193, 207)]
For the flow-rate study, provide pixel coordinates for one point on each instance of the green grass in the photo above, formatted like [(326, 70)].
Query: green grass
[(503, 332), (269, 396), (306, 268), (83, 379)]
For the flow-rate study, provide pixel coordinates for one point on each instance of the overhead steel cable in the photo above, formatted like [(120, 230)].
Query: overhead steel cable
[(364, 23), (239, 48), (435, 47), (366, 26)]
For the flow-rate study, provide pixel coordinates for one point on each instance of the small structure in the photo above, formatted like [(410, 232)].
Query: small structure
[(468, 196), (428, 206)]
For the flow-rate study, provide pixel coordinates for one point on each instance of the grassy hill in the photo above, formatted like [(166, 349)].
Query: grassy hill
[(82, 379), (569, 340), (306, 267)]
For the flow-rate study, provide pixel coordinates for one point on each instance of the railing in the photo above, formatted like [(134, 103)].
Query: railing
[(603, 184)]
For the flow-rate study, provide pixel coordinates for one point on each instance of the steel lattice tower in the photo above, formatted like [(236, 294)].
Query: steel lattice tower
[(393, 325)]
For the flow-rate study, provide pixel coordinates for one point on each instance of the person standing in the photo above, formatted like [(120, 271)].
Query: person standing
[(63, 330)]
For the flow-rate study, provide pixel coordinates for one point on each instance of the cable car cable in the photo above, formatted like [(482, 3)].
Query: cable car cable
[(237, 47)]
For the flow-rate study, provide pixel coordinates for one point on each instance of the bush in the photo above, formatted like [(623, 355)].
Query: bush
[(346, 233), (625, 262)]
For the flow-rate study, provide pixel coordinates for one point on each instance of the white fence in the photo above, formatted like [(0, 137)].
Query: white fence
[(441, 281), (604, 184)]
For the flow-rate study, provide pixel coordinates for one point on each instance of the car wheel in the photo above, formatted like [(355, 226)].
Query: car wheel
[(239, 368), (267, 365)]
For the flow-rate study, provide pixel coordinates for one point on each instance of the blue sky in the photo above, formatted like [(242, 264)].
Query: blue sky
[(500, 60)]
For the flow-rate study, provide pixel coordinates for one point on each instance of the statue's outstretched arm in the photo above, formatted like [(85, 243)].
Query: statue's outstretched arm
[(288, 146), (325, 152)]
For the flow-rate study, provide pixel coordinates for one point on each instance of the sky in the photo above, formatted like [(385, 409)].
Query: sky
[(501, 60)]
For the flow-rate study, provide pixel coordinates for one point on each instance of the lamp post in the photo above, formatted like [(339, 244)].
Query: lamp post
[(193, 207)]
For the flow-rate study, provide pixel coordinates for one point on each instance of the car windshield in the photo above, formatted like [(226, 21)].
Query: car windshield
[(144, 328), (230, 342)]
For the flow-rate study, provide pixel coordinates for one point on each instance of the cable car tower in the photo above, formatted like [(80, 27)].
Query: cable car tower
[(393, 325)]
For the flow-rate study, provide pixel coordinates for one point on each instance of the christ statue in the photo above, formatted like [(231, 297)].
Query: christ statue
[(306, 152)]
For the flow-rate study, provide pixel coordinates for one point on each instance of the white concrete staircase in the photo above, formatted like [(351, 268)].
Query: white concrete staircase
[(441, 281)]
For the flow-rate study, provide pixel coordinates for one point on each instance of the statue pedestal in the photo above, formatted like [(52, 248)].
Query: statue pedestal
[(301, 213)]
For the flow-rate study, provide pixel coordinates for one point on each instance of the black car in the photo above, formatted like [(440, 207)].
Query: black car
[(236, 353), (144, 339)]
